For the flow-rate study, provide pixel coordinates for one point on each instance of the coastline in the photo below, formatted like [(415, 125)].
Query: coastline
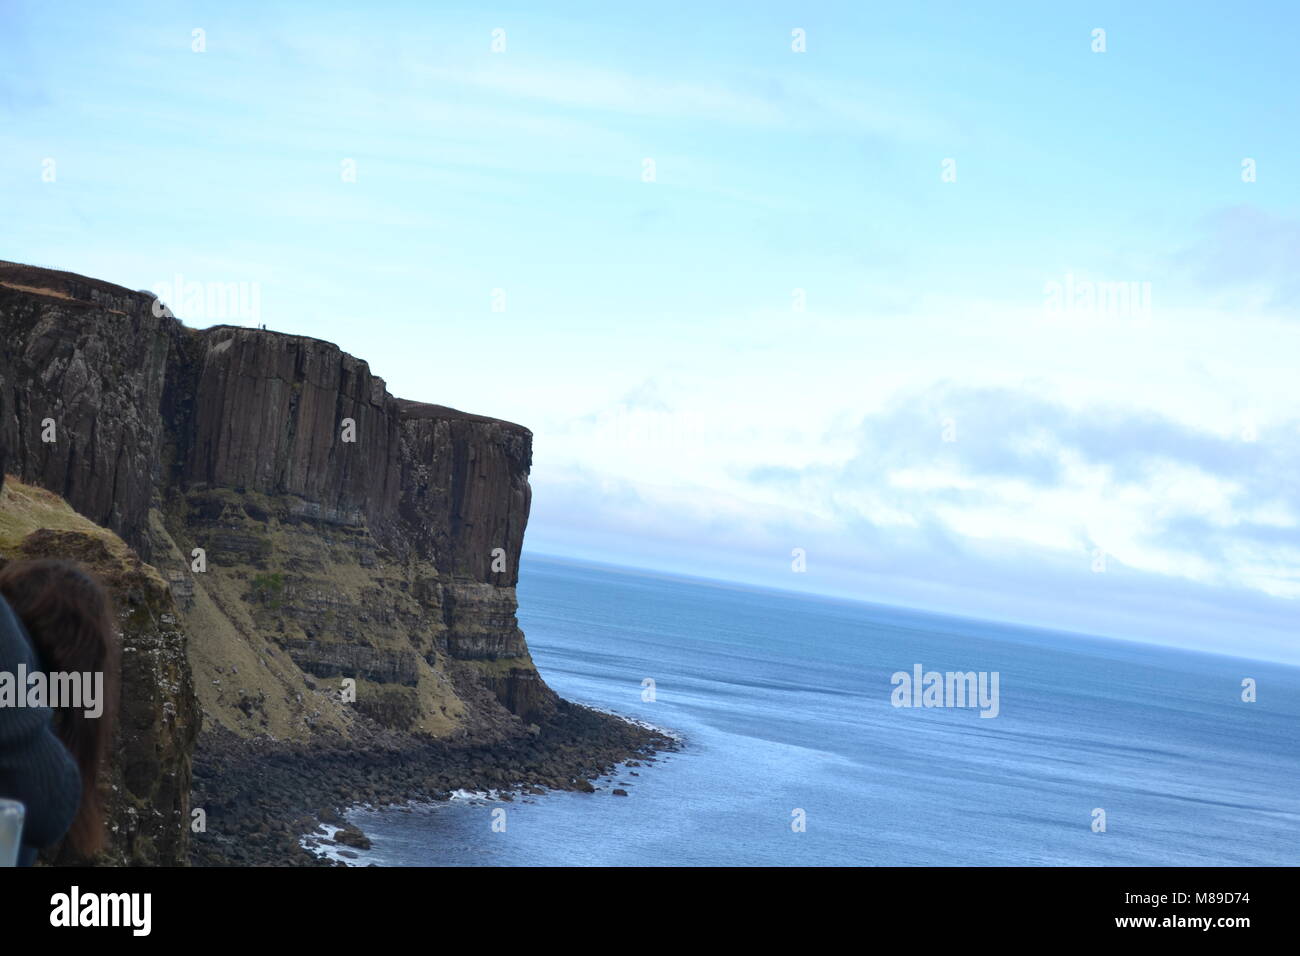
[(264, 799)]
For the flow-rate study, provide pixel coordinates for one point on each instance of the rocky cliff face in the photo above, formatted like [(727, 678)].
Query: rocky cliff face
[(82, 370), (311, 527)]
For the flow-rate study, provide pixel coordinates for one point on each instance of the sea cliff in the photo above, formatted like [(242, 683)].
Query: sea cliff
[(340, 564)]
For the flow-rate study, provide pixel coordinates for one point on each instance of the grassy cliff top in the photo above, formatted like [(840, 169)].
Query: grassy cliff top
[(56, 282), (25, 508)]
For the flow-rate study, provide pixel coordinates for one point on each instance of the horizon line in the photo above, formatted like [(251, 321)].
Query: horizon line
[(741, 584)]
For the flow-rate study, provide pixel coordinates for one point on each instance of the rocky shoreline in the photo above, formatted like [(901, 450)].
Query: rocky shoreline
[(260, 796)]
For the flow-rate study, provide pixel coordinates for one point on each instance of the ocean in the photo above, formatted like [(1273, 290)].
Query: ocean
[(794, 754)]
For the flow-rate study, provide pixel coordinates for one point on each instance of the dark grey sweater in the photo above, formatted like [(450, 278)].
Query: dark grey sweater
[(35, 767)]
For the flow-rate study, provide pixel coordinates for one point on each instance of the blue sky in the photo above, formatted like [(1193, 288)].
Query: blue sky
[(799, 333)]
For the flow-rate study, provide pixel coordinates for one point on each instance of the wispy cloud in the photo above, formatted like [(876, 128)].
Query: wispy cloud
[(1006, 465)]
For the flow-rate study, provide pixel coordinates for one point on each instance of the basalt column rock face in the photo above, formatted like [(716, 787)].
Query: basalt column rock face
[(281, 414), (465, 499), (335, 477), (312, 527)]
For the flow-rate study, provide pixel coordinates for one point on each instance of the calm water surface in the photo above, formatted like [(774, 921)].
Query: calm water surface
[(784, 704)]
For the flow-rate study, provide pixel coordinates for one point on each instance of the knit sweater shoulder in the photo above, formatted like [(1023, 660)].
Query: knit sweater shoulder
[(35, 768)]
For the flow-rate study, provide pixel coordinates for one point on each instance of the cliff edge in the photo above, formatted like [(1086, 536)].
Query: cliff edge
[(317, 536)]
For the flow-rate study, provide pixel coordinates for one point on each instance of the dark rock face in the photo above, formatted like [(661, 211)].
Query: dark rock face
[(138, 400), (268, 415), (465, 490), (142, 408), (349, 534), (352, 660), (88, 373)]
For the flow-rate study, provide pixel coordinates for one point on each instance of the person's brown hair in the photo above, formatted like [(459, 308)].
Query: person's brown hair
[(69, 617)]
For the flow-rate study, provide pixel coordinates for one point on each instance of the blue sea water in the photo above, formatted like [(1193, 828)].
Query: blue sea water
[(784, 704)]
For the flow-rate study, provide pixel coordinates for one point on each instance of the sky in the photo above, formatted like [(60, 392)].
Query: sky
[(987, 309)]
